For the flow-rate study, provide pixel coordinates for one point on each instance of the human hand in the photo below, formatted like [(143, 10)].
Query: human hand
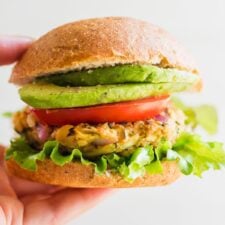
[(23, 202)]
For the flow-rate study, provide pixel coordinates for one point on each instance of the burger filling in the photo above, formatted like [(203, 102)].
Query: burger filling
[(103, 138), (119, 119)]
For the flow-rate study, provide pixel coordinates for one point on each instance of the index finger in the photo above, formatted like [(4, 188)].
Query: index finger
[(12, 47), (62, 206)]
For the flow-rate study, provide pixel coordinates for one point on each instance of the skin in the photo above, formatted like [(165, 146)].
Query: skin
[(23, 202)]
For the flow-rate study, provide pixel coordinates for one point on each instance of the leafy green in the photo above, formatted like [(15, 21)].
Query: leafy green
[(204, 115), (26, 157), (185, 166), (137, 162), (7, 114), (194, 156), (154, 167), (199, 154)]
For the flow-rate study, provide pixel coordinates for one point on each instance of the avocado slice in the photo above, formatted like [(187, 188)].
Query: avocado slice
[(119, 75), (53, 96)]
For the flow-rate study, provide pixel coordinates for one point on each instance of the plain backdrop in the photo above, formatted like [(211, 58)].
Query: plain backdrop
[(199, 25)]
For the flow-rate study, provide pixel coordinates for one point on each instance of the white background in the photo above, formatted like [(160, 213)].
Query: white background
[(199, 25)]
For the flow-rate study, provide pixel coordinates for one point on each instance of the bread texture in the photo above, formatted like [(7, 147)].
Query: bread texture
[(77, 175), (101, 42)]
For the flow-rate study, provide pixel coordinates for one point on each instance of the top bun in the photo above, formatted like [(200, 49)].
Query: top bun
[(100, 42)]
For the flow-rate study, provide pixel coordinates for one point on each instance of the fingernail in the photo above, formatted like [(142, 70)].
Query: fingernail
[(16, 38)]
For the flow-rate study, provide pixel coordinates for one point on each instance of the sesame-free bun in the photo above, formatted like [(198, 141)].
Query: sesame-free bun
[(77, 175), (100, 42)]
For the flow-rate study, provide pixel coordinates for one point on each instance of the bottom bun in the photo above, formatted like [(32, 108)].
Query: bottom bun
[(77, 175)]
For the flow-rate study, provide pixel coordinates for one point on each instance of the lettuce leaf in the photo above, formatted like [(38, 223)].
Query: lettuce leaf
[(26, 157), (136, 164), (7, 114), (199, 154), (204, 116), (193, 155)]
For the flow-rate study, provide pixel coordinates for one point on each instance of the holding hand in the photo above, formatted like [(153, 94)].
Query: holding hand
[(24, 202)]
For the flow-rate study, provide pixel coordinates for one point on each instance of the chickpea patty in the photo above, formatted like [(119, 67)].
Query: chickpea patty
[(94, 140)]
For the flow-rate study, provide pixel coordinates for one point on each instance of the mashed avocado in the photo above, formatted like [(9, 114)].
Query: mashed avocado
[(52, 96), (105, 85), (119, 75)]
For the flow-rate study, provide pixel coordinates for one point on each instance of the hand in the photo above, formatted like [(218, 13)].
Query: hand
[(28, 203), (11, 48)]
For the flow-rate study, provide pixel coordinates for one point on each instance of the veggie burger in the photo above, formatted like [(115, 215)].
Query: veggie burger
[(99, 111)]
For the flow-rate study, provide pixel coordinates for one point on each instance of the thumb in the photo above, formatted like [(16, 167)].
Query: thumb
[(12, 47)]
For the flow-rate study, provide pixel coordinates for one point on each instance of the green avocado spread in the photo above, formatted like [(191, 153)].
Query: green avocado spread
[(119, 75), (52, 96), (105, 85)]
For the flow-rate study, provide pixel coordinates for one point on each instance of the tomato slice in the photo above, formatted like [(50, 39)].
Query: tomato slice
[(117, 112)]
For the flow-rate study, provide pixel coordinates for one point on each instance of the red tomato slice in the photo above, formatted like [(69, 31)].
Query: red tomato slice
[(116, 112)]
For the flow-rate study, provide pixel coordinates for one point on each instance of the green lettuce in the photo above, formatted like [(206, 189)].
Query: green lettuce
[(7, 114), (193, 155), (199, 155), (204, 116)]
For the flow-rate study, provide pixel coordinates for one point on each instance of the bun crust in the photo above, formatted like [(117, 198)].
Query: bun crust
[(77, 175), (100, 42)]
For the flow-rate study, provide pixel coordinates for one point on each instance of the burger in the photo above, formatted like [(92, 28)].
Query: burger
[(99, 109)]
